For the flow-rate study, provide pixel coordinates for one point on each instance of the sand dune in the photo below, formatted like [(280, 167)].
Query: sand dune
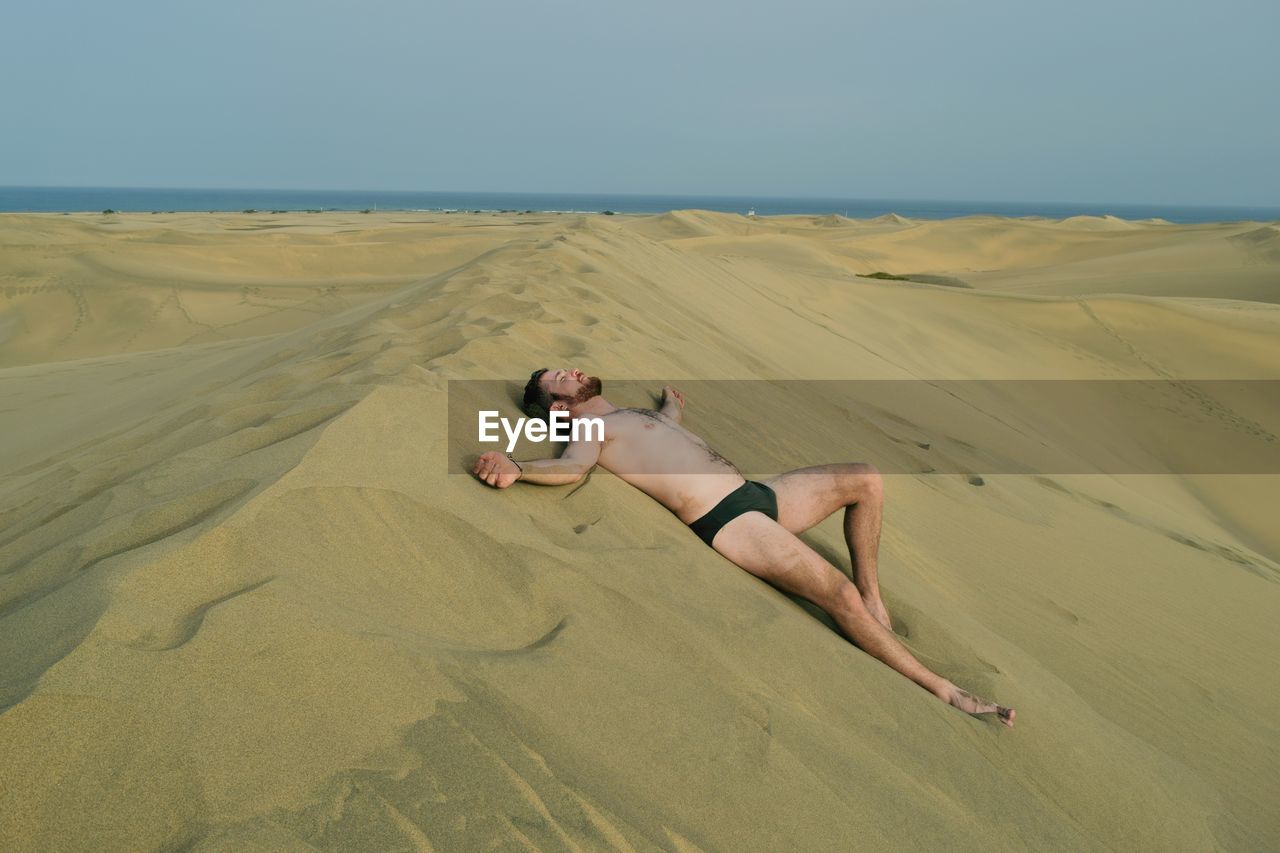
[(1079, 256), (244, 604), (77, 287)]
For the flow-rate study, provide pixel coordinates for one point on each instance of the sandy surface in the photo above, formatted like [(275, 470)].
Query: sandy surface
[(244, 605)]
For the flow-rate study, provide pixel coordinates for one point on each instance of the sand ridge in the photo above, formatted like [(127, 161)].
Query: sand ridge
[(243, 602)]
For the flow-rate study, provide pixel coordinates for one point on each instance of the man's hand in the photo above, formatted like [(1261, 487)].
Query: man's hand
[(496, 470), (672, 397)]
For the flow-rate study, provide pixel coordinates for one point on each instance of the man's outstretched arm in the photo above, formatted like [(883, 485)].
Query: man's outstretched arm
[(500, 472)]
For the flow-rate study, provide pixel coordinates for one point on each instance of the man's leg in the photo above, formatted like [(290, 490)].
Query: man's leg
[(769, 551), (806, 496)]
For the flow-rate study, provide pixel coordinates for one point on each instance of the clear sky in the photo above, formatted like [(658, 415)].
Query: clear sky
[(1160, 102)]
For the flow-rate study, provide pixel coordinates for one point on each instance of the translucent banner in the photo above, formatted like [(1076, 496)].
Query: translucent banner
[(1219, 426)]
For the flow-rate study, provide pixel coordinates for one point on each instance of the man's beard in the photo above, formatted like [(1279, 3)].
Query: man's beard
[(590, 388)]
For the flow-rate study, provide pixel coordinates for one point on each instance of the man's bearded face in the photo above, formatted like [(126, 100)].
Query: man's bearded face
[(591, 386), (570, 385)]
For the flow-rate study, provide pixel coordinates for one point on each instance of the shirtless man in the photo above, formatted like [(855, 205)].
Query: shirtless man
[(755, 525)]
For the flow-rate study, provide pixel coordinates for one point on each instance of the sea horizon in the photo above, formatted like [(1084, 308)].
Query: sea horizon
[(88, 199)]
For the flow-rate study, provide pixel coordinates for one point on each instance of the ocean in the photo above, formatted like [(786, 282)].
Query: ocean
[(146, 199)]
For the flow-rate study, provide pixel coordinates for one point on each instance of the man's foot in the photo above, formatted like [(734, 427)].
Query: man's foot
[(876, 608), (970, 704)]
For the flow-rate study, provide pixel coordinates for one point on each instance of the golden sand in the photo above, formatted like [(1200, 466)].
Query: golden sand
[(244, 605)]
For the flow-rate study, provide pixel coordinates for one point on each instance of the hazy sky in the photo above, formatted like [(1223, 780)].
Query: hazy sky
[(1160, 102)]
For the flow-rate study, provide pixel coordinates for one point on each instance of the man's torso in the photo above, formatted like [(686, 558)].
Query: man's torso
[(667, 462)]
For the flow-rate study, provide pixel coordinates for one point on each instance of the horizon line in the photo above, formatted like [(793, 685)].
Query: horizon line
[(735, 196)]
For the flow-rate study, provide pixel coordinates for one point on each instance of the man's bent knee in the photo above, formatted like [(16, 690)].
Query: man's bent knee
[(864, 481)]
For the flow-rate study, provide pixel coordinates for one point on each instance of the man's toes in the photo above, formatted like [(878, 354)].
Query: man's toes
[(1006, 715)]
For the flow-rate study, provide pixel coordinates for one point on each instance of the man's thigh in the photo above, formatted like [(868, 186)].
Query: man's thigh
[(766, 549), (808, 495)]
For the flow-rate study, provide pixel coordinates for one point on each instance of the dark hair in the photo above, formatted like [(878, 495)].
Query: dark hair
[(537, 402)]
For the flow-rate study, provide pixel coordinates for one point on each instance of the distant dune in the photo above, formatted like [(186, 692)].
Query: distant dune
[(245, 605), (1262, 243), (1098, 223)]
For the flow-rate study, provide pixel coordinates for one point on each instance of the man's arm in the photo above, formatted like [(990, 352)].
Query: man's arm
[(672, 403), (578, 458)]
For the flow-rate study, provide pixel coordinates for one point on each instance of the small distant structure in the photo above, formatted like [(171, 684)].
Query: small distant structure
[(751, 213)]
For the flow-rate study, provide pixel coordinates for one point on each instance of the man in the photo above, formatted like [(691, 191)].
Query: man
[(755, 525)]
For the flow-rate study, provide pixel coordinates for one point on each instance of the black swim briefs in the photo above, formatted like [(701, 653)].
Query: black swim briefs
[(749, 497)]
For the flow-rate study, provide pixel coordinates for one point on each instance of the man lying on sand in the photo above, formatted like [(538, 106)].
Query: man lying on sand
[(753, 524)]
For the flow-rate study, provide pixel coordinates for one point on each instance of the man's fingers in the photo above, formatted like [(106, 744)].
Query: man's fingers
[(484, 468), (487, 469)]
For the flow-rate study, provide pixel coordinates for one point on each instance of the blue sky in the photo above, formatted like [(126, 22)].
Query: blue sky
[(1167, 102)]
